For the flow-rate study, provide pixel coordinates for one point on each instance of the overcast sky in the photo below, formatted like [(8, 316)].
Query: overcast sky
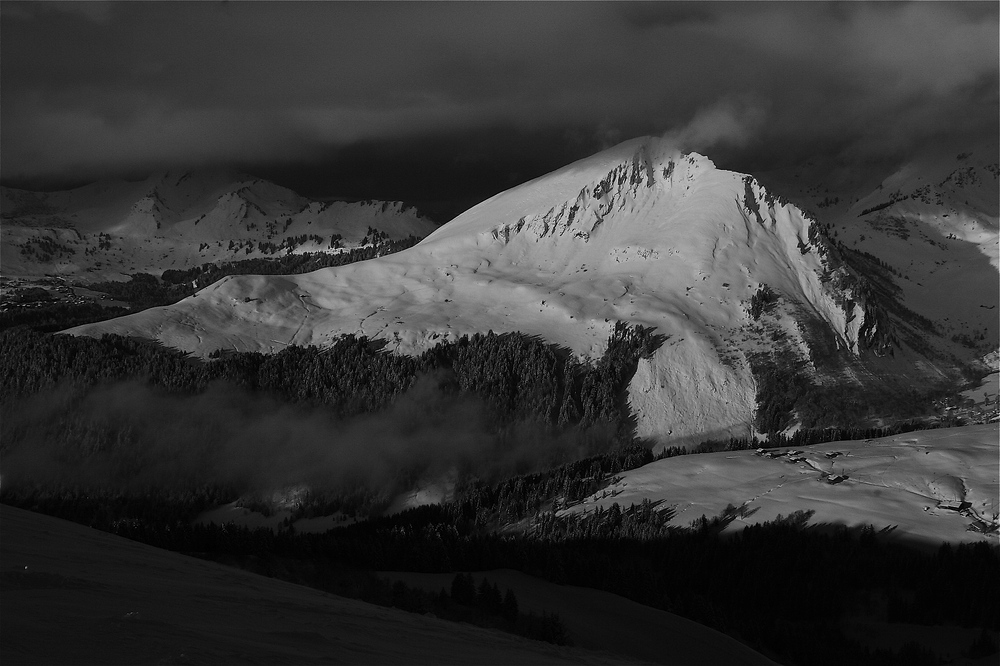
[(452, 102)]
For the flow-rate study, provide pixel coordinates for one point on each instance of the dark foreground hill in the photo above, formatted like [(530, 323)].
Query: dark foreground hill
[(74, 595)]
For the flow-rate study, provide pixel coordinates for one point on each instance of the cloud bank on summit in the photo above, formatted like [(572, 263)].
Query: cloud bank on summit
[(460, 100)]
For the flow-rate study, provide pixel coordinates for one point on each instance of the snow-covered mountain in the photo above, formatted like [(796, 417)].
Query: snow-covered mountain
[(638, 233), (179, 220), (934, 223), (941, 228)]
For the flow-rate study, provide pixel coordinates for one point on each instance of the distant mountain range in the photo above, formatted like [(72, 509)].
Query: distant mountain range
[(890, 291), (180, 220)]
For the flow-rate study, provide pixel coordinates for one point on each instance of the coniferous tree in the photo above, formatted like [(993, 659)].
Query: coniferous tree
[(509, 608), (463, 590)]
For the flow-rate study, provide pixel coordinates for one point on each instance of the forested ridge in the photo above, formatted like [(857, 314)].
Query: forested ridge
[(783, 587), (58, 316), (521, 377), (522, 381), (787, 394), (520, 387)]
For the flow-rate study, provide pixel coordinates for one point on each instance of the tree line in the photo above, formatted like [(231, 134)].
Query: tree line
[(519, 376), (520, 379), (354, 376), (786, 393)]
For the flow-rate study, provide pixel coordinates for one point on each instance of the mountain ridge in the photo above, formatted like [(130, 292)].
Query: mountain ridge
[(640, 233), (181, 220)]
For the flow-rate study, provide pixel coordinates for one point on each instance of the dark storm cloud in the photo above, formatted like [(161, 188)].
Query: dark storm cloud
[(469, 98)]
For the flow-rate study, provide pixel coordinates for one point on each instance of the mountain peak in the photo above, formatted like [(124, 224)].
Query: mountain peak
[(660, 151), (641, 233), (649, 158)]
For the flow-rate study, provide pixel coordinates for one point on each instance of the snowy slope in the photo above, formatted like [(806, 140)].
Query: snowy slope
[(179, 220), (935, 222), (931, 484), (638, 233), (946, 224)]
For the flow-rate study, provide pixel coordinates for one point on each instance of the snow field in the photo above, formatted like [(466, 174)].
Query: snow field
[(933, 485)]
